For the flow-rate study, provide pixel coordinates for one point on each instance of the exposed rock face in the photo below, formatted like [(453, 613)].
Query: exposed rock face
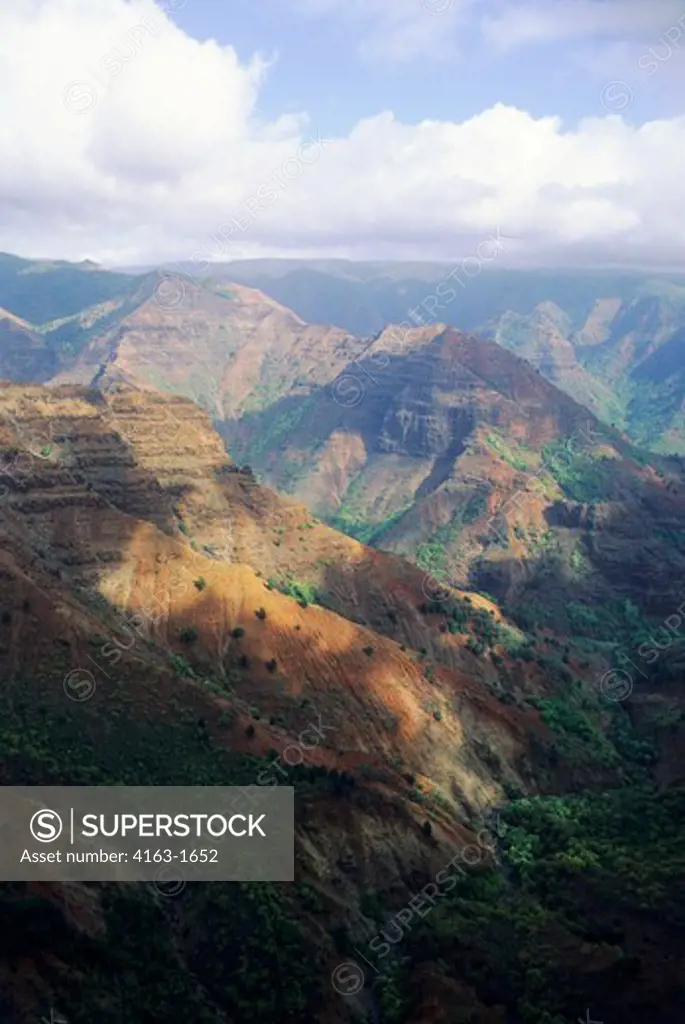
[(594, 336), (414, 426), (586, 332), (229, 351), (120, 496), (464, 454), (542, 338), (424, 435), (608, 361)]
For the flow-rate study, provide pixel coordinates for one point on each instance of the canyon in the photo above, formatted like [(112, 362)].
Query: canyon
[(437, 604)]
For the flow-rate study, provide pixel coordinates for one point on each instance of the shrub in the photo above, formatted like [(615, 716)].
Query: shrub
[(368, 651), (427, 828), (238, 632), (511, 791), (260, 613), (272, 665), (249, 732), (304, 593), (188, 635), (181, 665), (200, 583)]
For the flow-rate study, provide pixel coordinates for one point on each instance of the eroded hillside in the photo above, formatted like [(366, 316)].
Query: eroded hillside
[(231, 349), (211, 625), (457, 454)]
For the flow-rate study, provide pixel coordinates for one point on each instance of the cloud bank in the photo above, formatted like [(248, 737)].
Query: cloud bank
[(127, 141)]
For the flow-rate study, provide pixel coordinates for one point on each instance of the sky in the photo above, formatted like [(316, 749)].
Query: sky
[(136, 132)]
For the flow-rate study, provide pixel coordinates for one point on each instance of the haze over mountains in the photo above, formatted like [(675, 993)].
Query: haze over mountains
[(591, 333), (413, 439), (598, 336)]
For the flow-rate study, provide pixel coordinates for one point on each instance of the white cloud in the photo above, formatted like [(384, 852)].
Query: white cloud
[(151, 162), (546, 21), (403, 30), (398, 30)]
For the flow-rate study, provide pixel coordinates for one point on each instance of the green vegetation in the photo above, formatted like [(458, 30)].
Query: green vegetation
[(550, 930), (483, 629), (250, 933), (182, 666), (433, 554), (580, 564), (518, 457), (264, 394), (356, 523), (275, 426), (42, 291), (617, 621), (613, 622), (303, 592), (582, 476), (580, 739)]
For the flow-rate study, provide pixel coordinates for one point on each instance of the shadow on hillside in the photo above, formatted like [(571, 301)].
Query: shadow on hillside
[(154, 719), (72, 546), (385, 399), (632, 550)]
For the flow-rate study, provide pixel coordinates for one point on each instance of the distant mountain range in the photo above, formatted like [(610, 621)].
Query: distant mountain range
[(596, 335), (412, 439), (593, 334)]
